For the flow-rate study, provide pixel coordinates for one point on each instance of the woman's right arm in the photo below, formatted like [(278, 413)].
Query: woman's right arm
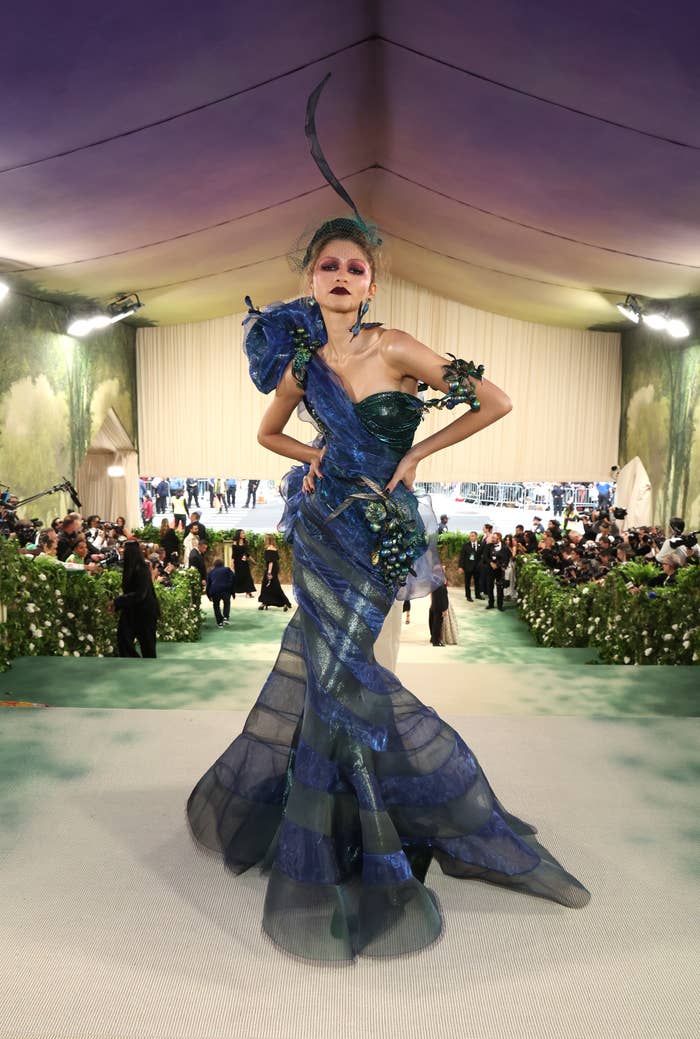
[(276, 417)]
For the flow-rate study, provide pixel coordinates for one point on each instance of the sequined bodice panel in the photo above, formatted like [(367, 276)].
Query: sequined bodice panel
[(391, 416)]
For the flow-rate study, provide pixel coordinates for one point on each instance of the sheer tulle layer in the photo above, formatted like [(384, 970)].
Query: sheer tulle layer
[(343, 785)]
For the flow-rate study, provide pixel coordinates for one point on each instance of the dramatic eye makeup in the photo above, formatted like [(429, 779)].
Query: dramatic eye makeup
[(355, 267)]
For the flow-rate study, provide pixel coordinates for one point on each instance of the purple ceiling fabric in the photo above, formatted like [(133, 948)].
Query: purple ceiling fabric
[(531, 160)]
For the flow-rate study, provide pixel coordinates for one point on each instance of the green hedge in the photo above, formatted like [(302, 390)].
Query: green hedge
[(650, 626), (51, 611)]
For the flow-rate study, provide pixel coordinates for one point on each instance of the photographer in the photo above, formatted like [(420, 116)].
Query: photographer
[(70, 532), (683, 545), (8, 515)]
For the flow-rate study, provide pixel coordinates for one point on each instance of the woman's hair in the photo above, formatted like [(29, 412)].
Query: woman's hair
[(120, 522), (45, 540), (133, 562), (341, 229), (270, 541), (164, 528), (240, 533)]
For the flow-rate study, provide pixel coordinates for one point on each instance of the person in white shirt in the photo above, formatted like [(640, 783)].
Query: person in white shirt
[(672, 545)]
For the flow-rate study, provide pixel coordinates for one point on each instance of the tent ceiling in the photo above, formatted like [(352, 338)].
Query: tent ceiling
[(518, 157)]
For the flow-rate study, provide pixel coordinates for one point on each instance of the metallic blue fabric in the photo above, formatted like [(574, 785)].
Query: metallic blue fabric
[(385, 869), (343, 784)]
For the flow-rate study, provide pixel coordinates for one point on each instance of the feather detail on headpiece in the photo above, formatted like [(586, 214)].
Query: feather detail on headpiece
[(368, 230)]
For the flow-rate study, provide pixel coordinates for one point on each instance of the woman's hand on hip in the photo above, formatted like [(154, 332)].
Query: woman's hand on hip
[(308, 484), (405, 473)]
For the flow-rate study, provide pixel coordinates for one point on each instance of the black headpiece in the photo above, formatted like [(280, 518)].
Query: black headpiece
[(340, 225)]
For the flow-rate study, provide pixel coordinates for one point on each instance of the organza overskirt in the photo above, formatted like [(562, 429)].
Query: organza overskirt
[(343, 786)]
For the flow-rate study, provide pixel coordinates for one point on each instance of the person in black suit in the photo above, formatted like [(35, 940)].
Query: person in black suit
[(195, 520), (498, 557), (137, 605), (192, 486), (196, 560), (468, 564), (482, 569), (220, 585), (558, 493)]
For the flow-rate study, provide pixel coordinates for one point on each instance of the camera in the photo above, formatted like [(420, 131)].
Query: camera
[(688, 540), (110, 560)]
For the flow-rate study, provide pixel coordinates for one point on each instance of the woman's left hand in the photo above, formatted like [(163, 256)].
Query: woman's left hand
[(405, 473)]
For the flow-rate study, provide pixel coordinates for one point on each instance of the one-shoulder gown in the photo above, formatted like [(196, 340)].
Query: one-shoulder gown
[(343, 786)]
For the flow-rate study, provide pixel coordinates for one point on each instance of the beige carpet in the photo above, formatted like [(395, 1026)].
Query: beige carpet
[(115, 925)]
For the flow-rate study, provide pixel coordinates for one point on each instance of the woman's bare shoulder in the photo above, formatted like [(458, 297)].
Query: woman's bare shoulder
[(395, 345)]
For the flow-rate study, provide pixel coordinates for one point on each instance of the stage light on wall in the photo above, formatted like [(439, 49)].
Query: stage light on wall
[(677, 328), (115, 471), (123, 306), (631, 309), (654, 315), (4, 289)]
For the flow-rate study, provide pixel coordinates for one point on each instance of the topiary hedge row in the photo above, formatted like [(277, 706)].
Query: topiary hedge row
[(50, 611), (643, 626)]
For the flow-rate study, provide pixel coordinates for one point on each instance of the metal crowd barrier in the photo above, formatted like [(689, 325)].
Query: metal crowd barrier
[(517, 495)]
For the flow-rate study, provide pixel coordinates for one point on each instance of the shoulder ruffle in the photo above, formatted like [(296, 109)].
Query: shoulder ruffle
[(278, 334)]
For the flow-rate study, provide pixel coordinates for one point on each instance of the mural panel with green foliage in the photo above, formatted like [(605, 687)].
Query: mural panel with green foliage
[(55, 391), (660, 419)]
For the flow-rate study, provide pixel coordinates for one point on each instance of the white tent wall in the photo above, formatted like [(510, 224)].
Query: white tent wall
[(199, 412), (105, 495)]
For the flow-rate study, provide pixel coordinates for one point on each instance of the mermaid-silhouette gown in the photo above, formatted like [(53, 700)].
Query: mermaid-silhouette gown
[(343, 785)]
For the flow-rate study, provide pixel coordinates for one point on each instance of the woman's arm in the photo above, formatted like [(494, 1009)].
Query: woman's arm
[(276, 417), (409, 357)]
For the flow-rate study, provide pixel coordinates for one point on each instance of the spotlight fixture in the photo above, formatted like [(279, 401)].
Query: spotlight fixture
[(656, 317), (677, 328), (115, 471), (126, 304), (631, 309), (123, 306)]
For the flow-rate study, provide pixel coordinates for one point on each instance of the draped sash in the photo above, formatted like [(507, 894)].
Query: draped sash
[(343, 786)]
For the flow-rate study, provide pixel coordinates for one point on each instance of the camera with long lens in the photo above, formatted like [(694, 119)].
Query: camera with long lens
[(680, 538), (688, 541), (111, 559)]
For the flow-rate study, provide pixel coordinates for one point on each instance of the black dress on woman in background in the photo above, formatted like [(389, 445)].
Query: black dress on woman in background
[(271, 593), (171, 543), (138, 614), (241, 565)]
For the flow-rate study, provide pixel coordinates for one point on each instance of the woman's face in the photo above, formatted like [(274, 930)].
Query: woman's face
[(342, 277)]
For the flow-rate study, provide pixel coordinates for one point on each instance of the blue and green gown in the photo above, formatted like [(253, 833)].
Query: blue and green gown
[(343, 786)]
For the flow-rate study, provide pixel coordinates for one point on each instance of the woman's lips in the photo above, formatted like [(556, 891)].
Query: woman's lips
[(339, 291)]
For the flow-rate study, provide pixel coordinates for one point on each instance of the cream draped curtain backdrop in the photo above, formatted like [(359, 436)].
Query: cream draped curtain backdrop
[(199, 412)]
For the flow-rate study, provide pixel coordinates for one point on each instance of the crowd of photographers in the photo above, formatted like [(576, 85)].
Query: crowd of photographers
[(91, 545), (577, 549)]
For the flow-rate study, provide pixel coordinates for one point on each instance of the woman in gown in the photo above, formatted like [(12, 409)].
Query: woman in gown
[(343, 786), (271, 593), (241, 565)]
